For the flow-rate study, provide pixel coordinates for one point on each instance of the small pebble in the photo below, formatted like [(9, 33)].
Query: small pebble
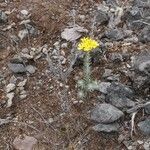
[(50, 120), (10, 87), (22, 96), (31, 69), (22, 83), (24, 12), (10, 97)]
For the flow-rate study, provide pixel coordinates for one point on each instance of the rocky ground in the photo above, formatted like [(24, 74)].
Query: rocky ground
[(40, 66)]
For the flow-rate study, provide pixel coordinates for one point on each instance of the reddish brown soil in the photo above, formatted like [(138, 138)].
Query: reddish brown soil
[(71, 131)]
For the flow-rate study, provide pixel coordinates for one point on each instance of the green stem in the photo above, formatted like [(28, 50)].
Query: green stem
[(87, 69)]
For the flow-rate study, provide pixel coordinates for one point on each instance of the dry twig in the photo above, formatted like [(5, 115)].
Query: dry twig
[(133, 124)]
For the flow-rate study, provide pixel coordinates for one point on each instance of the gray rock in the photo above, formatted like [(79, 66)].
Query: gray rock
[(120, 95), (17, 59), (74, 33), (141, 62), (114, 34), (116, 57), (3, 17), (114, 127), (101, 17), (31, 69), (103, 86), (105, 113), (145, 35), (10, 87), (144, 126), (17, 67), (147, 109)]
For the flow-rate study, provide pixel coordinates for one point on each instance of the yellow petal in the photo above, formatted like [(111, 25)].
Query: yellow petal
[(87, 44)]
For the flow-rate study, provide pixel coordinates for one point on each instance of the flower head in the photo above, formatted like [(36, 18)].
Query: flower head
[(87, 44)]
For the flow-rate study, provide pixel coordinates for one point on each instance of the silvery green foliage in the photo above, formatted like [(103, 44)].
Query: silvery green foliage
[(92, 86), (85, 88), (81, 94), (87, 84), (87, 68), (81, 84)]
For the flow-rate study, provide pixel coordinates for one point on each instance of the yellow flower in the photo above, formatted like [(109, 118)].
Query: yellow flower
[(87, 44)]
